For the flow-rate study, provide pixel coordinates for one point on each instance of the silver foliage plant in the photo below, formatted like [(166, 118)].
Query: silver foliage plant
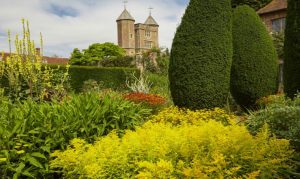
[(139, 84)]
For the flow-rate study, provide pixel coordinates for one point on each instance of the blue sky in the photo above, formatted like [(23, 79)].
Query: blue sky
[(69, 24)]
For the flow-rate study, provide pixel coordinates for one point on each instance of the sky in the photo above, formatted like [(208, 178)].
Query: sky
[(69, 24)]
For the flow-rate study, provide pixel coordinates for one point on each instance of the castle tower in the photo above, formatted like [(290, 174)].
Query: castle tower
[(146, 35), (126, 33), (151, 33)]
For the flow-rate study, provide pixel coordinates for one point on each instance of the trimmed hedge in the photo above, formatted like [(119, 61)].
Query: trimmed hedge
[(201, 55), (291, 69), (114, 77), (254, 67)]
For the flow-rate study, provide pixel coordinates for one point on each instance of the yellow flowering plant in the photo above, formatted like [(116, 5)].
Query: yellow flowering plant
[(193, 149), (25, 73)]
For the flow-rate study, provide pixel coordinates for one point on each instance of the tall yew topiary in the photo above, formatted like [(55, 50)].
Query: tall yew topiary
[(254, 67), (201, 55), (291, 68)]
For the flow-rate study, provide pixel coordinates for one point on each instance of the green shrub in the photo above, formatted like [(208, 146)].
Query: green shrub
[(283, 118), (291, 72), (114, 78), (254, 67), (158, 150), (256, 4), (29, 131), (201, 55)]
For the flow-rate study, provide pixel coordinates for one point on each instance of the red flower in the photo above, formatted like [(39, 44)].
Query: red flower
[(151, 99)]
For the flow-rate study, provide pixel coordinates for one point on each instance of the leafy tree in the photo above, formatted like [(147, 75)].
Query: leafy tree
[(291, 69), (256, 4), (201, 55), (254, 67), (76, 57), (96, 52)]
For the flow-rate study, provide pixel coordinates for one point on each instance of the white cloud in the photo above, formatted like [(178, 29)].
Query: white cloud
[(78, 23)]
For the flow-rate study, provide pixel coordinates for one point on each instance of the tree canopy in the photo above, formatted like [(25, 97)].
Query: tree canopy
[(96, 52)]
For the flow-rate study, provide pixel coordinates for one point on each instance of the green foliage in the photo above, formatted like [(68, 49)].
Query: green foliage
[(282, 115), (95, 53), (291, 72), (254, 67), (114, 78), (256, 4), (126, 61), (76, 57), (29, 131), (201, 55), (278, 40), (161, 150)]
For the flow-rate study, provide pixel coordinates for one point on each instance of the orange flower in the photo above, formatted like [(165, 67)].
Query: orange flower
[(151, 99)]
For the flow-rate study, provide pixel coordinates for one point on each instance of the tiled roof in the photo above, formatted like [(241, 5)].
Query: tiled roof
[(125, 16), (150, 21), (47, 60), (275, 5)]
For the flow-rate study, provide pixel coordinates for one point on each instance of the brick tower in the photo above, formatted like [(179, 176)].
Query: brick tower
[(126, 33)]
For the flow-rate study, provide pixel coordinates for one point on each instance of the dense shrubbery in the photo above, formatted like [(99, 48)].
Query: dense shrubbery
[(29, 131), (114, 78), (201, 55), (291, 65), (283, 117), (206, 149), (254, 70), (177, 116)]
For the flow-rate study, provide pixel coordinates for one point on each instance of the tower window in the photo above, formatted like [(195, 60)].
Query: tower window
[(131, 36), (147, 33)]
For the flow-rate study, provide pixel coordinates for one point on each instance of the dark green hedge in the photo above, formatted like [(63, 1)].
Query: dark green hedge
[(111, 77), (201, 55), (291, 69), (254, 67)]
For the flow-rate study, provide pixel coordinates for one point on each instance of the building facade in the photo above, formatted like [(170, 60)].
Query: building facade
[(274, 14), (136, 38)]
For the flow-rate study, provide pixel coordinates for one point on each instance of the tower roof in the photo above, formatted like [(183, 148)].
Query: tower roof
[(150, 21), (125, 16)]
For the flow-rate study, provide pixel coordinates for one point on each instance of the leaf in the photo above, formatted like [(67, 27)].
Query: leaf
[(45, 148), (39, 155), (20, 167), (34, 162)]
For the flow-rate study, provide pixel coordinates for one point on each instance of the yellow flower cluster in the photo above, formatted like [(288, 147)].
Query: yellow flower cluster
[(177, 116), (164, 150)]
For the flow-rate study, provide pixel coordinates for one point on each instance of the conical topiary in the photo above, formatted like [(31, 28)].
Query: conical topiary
[(201, 55), (254, 67)]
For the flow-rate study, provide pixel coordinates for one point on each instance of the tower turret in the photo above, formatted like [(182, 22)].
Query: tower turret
[(151, 33), (126, 34)]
